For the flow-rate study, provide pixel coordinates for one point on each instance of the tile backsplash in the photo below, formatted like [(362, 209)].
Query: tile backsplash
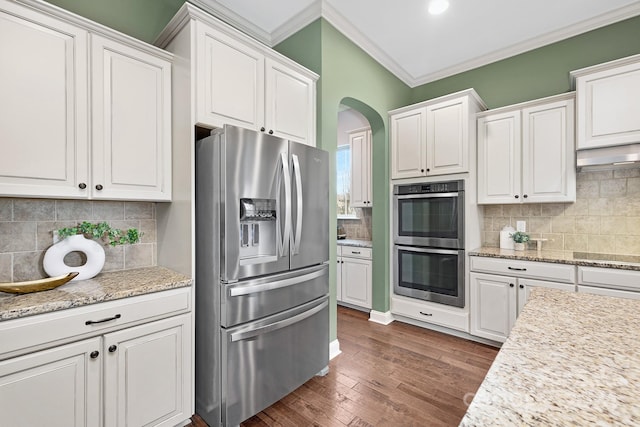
[(605, 217), (358, 228), (26, 227)]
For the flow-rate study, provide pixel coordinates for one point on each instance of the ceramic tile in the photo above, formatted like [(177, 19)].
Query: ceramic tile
[(627, 245), (139, 255), (580, 207), (587, 189), (633, 186), (28, 266), (491, 238), (613, 225), (6, 209), (73, 210), (113, 258), (576, 242), (107, 211), (532, 209), (552, 209), (563, 224), (148, 228), (613, 188), (595, 175), (138, 210), (539, 225), (493, 210), (6, 263), (588, 224), (555, 241), (34, 210), (626, 173), (601, 243), (17, 236), (601, 207), (512, 210), (633, 225)]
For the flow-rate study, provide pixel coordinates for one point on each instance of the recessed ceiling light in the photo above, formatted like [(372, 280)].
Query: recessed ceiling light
[(436, 7)]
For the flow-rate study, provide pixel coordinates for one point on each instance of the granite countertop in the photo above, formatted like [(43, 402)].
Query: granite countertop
[(356, 242), (571, 359), (104, 287), (621, 262)]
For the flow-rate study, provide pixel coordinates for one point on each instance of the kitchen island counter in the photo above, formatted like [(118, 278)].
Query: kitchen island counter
[(104, 287), (571, 359)]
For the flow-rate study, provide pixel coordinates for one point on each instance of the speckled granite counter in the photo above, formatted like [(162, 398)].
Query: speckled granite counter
[(571, 359), (104, 287), (559, 257), (355, 242)]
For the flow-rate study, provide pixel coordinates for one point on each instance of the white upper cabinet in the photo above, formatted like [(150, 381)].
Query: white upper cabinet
[(432, 138), (526, 153), (608, 103), (361, 186), (43, 104), (58, 141), (131, 109), (242, 83)]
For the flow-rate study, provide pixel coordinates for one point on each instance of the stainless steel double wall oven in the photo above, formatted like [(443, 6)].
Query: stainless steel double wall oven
[(428, 224)]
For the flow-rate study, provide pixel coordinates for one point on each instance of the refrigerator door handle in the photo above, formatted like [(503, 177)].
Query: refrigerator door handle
[(239, 336), (286, 177), (298, 235), (269, 286)]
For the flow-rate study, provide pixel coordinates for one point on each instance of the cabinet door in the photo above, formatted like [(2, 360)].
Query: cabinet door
[(408, 144), (43, 105), (290, 103), (360, 143), (548, 153), (356, 282), (499, 158), (493, 306), (229, 81), (609, 107), (131, 110), (59, 387), (448, 137), (147, 374), (525, 286)]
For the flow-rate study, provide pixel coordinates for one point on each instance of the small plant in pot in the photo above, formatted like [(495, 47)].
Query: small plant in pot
[(102, 231), (520, 238)]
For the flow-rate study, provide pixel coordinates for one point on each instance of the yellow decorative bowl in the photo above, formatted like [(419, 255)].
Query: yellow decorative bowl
[(37, 285)]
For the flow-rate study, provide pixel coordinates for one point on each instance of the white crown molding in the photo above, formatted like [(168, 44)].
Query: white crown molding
[(230, 17), (531, 44), (295, 24)]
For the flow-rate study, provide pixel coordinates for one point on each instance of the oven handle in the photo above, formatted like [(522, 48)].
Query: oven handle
[(269, 286), (239, 336), (430, 251), (426, 195)]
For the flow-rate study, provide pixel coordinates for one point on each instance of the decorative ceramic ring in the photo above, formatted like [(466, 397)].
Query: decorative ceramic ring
[(54, 265)]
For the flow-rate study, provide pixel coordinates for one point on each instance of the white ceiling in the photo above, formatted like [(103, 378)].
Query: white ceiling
[(419, 48)]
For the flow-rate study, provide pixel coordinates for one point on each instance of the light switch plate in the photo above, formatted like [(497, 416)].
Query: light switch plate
[(521, 226)]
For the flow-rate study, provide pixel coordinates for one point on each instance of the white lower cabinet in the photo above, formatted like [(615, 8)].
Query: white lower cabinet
[(354, 281), (121, 376), (609, 282), (498, 299)]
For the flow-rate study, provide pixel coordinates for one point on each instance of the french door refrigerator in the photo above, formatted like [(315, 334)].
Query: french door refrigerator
[(262, 250)]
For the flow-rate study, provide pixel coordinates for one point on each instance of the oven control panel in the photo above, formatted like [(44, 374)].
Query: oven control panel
[(431, 187)]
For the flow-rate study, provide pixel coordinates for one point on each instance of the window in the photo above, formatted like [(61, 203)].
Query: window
[(343, 169)]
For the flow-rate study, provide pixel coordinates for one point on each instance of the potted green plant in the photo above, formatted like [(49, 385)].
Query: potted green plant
[(520, 238), (82, 238)]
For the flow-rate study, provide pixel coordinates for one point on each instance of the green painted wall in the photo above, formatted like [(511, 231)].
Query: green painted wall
[(142, 19), (540, 72), (351, 77)]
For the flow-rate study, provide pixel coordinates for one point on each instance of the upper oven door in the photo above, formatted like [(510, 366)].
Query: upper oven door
[(435, 220)]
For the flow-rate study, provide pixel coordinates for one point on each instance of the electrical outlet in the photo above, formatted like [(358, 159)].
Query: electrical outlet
[(521, 226)]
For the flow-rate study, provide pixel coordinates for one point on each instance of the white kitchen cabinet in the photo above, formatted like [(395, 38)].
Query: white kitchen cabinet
[(110, 142), (432, 137), (244, 84), (609, 281), (58, 387), (526, 153), (355, 276), (121, 363), (608, 103), (500, 288), (361, 185)]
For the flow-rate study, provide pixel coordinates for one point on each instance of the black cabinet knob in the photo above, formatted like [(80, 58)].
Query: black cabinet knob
[(113, 348), (428, 169), (516, 196), (99, 187), (82, 185), (270, 132), (521, 286), (511, 285), (94, 354), (421, 170), (525, 196), (262, 129)]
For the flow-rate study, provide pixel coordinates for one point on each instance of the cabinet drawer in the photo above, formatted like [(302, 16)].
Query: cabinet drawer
[(425, 312), (608, 292), (39, 331), (531, 269), (356, 252), (609, 278)]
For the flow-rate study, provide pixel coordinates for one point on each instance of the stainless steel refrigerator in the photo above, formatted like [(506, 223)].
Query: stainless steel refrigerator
[(262, 250)]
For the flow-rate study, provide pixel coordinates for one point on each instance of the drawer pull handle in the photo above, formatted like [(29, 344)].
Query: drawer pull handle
[(355, 252), (108, 319), (426, 314), (517, 269)]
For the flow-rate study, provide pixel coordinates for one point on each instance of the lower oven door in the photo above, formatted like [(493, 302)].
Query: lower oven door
[(265, 360), (430, 274)]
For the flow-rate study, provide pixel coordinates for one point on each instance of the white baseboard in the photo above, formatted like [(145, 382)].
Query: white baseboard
[(334, 349), (381, 317)]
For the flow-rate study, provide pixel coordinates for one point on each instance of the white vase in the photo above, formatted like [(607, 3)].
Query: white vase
[(519, 246), (54, 265)]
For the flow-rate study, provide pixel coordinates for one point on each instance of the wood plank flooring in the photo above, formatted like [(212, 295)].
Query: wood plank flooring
[(394, 375)]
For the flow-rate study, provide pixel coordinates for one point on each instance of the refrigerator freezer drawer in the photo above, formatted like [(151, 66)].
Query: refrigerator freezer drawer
[(253, 299), (263, 361)]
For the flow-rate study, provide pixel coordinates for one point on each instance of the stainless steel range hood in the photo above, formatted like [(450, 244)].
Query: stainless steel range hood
[(608, 157)]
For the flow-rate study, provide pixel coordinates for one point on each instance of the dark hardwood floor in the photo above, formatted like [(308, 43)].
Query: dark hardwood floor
[(395, 375)]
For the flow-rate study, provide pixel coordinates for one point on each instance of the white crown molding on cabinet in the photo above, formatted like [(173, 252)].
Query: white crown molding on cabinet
[(295, 24)]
